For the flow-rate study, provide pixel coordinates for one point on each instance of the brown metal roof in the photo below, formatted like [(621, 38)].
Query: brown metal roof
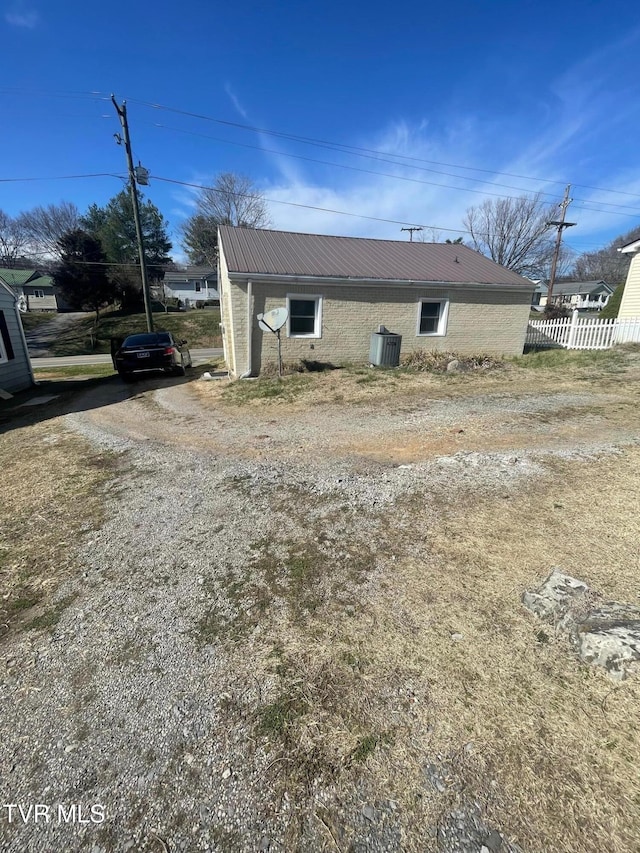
[(255, 251)]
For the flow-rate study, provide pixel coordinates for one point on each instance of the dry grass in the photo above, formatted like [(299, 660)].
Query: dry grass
[(547, 744), (51, 494), (544, 372)]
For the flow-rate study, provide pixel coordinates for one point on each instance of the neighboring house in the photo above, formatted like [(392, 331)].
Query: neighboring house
[(630, 304), (339, 290), (582, 294), (15, 366), (34, 289), (539, 298), (195, 284)]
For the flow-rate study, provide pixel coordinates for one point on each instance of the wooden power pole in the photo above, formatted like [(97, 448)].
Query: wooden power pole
[(560, 224), (411, 230), (122, 114)]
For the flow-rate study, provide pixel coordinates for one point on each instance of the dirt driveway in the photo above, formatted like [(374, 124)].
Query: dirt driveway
[(292, 621)]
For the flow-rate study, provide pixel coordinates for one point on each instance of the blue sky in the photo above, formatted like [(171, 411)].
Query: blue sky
[(465, 100)]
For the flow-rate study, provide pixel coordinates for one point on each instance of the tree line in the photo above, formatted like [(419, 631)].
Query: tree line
[(94, 257)]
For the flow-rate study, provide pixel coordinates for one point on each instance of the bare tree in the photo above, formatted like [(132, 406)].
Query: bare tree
[(607, 264), (45, 226), (13, 240), (514, 232), (232, 200)]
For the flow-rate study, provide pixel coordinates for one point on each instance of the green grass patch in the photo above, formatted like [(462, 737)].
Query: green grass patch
[(74, 370), (365, 747), (200, 328), (286, 389), (50, 618), (554, 359), (277, 717), (33, 319)]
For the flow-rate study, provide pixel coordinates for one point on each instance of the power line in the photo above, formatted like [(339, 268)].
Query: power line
[(337, 146), (312, 207), (398, 177), (62, 177)]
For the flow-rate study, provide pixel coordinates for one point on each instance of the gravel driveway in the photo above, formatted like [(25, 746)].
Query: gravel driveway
[(142, 702)]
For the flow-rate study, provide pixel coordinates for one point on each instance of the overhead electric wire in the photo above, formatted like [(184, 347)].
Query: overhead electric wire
[(337, 146), (396, 177), (62, 177)]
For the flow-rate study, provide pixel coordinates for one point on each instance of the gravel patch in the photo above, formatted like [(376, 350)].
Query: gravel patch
[(126, 706)]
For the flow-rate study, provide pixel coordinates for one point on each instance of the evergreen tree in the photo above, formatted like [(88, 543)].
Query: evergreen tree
[(82, 273), (114, 226)]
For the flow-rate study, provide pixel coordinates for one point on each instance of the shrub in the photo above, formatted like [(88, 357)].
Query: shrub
[(437, 361), (610, 311)]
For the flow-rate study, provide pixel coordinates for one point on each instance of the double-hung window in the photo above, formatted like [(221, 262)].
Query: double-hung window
[(432, 316), (305, 316), (38, 294)]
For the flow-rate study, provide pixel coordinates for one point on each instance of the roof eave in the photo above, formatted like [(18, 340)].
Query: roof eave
[(525, 286)]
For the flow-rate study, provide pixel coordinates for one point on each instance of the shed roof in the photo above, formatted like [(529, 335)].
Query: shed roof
[(16, 278), (41, 281), (257, 251)]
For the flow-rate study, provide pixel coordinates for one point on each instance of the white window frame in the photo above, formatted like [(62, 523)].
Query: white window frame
[(442, 319), (308, 297), (38, 293), (4, 358)]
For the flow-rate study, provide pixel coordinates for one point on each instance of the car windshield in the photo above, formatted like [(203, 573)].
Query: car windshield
[(147, 340)]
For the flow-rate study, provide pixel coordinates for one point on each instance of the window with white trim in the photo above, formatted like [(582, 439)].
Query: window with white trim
[(39, 294), (432, 316), (6, 349), (305, 316)]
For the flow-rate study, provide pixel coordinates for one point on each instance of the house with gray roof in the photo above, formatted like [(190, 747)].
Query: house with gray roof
[(15, 366), (582, 295), (34, 289), (191, 285), (340, 290)]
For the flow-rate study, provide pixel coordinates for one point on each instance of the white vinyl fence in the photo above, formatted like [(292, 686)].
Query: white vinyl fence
[(578, 332)]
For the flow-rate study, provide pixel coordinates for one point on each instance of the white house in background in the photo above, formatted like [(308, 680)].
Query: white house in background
[(630, 305), (195, 284), (15, 366), (582, 294)]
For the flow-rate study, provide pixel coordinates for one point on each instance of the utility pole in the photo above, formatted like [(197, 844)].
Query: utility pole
[(560, 224), (122, 114), (411, 230)]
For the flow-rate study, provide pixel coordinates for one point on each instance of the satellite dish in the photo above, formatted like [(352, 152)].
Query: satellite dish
[(273, 320)]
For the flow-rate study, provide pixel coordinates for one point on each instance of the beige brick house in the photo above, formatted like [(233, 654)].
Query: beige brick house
[(339, 290)]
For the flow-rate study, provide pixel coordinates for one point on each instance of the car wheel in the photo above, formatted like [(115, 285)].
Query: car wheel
[(179, 370), (126, 376)]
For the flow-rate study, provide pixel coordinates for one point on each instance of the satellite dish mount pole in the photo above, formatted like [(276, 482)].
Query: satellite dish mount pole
[(279, 355)]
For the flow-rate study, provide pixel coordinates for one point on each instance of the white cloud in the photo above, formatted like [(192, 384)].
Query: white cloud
[(20, 17), (234, 100)]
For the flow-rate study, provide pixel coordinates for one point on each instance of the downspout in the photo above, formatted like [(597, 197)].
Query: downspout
[(249, 369), (24, 342)]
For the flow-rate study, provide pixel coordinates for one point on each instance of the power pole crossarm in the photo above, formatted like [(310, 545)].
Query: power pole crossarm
[(411, 230), (560, 224), (122, 114)]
